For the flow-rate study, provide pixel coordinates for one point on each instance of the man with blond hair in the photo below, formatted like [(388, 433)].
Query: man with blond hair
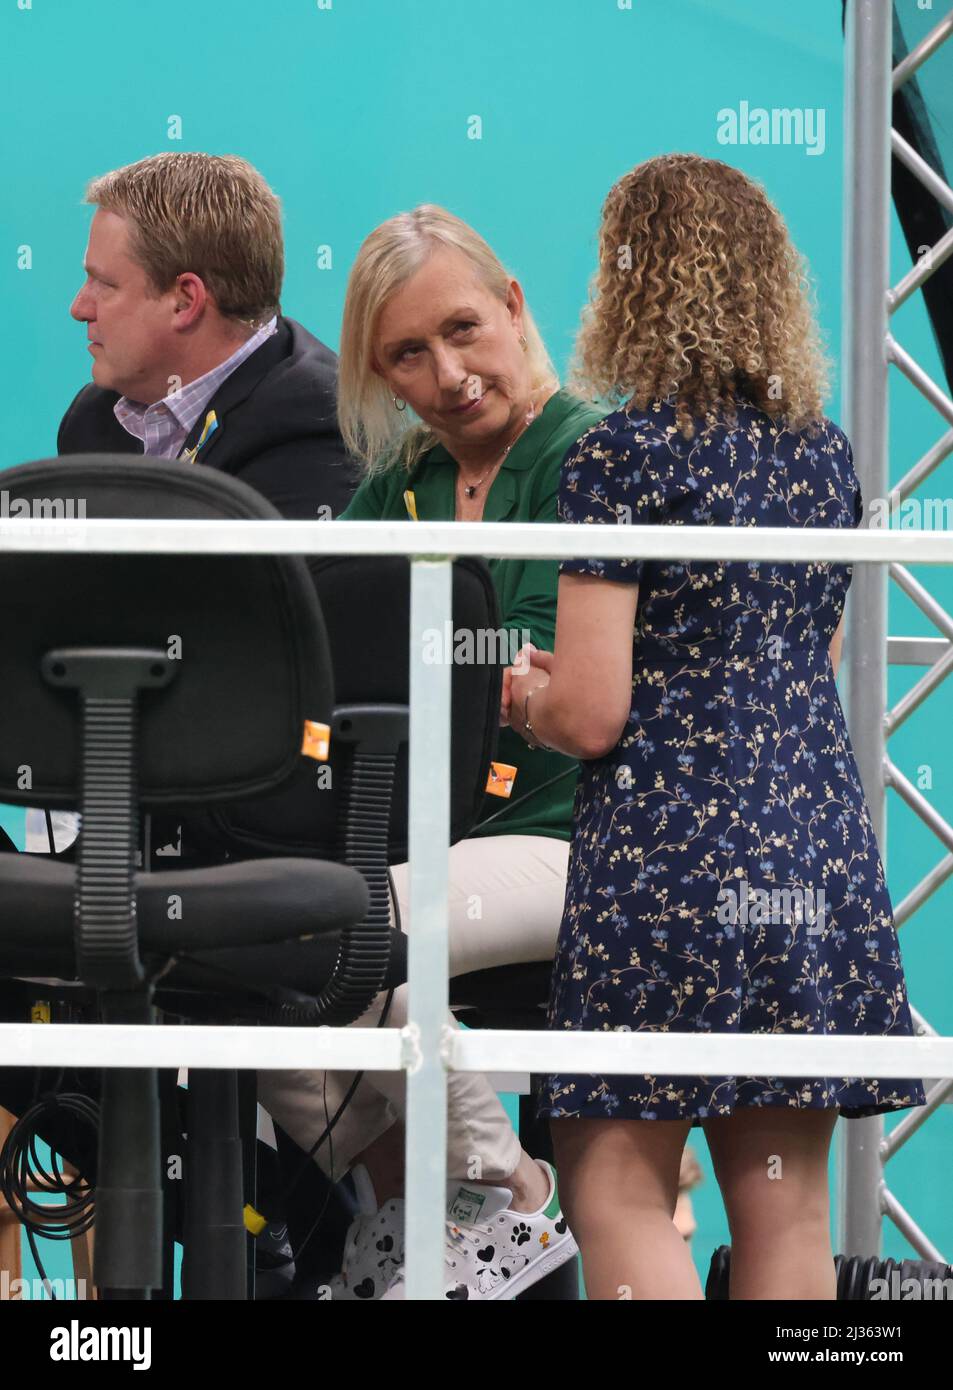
[(193, 360), (192, 357)]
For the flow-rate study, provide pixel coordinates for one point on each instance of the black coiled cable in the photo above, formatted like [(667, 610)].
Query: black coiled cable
[(22, 1169)]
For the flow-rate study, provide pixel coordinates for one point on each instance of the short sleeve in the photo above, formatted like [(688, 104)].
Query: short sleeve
[(609, 478)]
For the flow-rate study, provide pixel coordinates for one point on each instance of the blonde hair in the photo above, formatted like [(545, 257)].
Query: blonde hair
[(701, 297), (213, 215), (373, 430)]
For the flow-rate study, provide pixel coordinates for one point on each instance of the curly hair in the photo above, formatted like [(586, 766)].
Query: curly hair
[(700, 298)]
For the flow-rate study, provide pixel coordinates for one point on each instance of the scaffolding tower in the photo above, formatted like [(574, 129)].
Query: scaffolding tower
[(869, 351)]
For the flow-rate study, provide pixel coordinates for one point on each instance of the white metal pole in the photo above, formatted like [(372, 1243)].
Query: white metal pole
[(866, 282), (428, 955)]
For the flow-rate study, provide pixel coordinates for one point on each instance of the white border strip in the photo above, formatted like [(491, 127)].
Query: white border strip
[(499, 1051), (691, 1054), (192, 1045), (492, 539)]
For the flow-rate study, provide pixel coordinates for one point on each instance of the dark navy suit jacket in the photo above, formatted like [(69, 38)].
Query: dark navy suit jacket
[(277, 426)]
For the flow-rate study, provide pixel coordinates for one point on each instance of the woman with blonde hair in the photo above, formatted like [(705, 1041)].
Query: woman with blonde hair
[(447, 395), (724, 876)]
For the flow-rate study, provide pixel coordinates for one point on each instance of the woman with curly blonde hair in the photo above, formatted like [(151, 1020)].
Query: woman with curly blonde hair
[(700, 296), (723, 876)]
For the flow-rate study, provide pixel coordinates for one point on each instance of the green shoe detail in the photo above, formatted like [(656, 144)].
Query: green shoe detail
[(552, 1210)]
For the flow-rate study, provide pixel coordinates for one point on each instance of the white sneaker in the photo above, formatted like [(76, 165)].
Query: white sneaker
[(374, 1248), (493, 1251)]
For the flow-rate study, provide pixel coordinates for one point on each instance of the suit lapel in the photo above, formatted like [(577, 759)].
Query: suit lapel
[(237, 388)]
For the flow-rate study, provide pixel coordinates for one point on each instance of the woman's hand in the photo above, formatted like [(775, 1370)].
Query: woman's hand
[(528, 659), (544, 660), (520, 664)]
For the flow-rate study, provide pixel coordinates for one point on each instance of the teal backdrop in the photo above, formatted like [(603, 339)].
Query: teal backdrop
[(357, 109)]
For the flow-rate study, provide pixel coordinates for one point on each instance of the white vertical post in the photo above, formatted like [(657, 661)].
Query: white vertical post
[(866, 281), (428, 841)]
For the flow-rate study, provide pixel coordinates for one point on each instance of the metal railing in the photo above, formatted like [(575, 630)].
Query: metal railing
[(426, 1047)]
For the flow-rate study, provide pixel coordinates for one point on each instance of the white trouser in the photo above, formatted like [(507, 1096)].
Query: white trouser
[(505, 907)]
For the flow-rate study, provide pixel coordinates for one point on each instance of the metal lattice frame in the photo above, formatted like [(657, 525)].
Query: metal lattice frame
[(870, 348)]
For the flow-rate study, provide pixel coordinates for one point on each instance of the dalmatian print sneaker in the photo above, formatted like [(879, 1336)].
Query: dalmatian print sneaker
[(493, 1251), (374, 1247)]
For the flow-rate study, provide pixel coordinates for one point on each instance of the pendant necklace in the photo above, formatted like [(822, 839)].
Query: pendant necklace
[(469, 489)]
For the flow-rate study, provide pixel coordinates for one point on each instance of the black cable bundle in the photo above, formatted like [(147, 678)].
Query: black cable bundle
[(21, 1169), (854, 1273)]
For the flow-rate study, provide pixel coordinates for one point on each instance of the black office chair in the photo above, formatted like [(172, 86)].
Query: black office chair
[(365, 603), (155, 682), (366, 607)]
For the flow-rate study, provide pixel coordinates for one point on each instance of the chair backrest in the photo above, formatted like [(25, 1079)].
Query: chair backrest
[(247, 632), (366, 606)]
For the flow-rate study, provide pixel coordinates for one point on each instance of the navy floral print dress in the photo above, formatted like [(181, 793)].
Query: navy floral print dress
[(724, 874)]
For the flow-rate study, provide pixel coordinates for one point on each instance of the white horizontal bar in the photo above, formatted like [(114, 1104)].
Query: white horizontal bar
[(916, 651), (706, 1054), (190, 1045), (494, 539), (499, 1051)]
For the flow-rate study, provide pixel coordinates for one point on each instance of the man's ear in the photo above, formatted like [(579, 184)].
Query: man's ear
[(191, 300)]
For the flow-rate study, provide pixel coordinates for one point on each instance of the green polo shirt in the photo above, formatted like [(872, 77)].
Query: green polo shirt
[(526, 488)]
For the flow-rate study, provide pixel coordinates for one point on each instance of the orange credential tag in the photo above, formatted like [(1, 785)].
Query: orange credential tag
[(501, 779), (317, 738)]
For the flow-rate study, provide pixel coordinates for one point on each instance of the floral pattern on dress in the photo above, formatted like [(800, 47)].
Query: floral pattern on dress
[(724, 875)]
